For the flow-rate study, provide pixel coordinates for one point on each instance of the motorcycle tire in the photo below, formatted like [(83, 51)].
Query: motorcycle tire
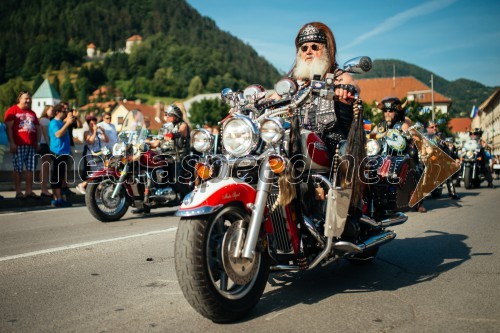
[(200, 270), (468, 182), (99, 208)]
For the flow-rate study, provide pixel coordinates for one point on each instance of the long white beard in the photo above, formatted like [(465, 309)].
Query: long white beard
[(304, 70)]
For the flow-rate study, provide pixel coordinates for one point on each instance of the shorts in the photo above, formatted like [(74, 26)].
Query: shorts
[(44, 149), (24, 156)]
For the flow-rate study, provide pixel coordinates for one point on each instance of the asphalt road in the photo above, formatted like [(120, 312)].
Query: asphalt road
[(63, 271)]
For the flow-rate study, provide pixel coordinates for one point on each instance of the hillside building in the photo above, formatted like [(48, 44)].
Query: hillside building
[(44, 95), (488, 119), (91, 50), (131, 42)]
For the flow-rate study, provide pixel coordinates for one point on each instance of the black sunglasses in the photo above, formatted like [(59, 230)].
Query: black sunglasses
[(389, 110), (314, 47)]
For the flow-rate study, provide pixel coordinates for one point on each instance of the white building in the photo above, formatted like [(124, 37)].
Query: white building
[(134, 40), (44, 95)]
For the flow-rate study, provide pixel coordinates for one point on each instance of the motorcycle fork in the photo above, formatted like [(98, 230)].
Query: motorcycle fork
[(123, 174), (474, 165), (263, 188)]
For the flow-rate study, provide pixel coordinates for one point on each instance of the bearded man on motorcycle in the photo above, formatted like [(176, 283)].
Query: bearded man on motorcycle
[(330, 118), (433, 137), (315, 57)]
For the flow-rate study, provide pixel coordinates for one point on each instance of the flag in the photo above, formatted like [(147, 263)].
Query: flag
[(367, 125), (473, 112)]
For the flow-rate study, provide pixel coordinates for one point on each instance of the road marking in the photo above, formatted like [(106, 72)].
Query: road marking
[(75, 246), (48, 209)]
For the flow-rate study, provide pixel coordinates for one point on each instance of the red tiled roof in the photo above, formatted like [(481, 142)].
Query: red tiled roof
[(459, 124), (134, 38), (378, 88)]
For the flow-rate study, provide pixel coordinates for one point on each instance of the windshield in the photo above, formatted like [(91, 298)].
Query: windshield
[(133, 130)]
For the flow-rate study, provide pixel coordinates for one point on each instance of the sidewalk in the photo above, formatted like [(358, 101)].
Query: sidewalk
[(10, 204)]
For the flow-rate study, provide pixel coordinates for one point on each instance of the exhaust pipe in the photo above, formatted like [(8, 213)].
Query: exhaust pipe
[(398, 218), (370, 242)]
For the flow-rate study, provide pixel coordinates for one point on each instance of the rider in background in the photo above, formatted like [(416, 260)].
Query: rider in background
[(180, 134), (435, 139), (394, 117), (476, 135)]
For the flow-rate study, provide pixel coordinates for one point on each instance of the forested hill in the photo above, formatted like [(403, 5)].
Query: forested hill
[(42, 34), (463, 93)]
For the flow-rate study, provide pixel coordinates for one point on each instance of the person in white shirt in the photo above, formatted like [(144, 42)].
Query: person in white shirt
[(109, 129)]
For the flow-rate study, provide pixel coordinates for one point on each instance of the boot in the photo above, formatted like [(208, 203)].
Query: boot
[(142, 210), (490, 185), (451, 190)]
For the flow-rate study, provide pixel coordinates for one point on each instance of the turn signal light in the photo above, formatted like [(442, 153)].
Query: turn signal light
[(277, 164), (204, 171)]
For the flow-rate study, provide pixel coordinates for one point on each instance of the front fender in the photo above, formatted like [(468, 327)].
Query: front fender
[(103, 173), (214, 194)]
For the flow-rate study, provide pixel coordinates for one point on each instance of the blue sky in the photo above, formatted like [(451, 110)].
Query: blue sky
[(452, 38)]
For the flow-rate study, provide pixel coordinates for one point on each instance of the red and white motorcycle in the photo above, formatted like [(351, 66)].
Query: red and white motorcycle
[(247, 218)]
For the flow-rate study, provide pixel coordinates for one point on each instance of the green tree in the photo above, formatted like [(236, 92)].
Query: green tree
[(67, 89), (195, 86), (84, 89), (8, 94), (208, 111), (56, 84), (37, 83)]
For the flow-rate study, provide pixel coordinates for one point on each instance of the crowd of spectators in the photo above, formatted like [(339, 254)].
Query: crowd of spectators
[(49, 141)]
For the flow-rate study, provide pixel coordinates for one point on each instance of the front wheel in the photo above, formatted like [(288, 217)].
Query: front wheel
[(468, 182), (201, 255), (101, 205)]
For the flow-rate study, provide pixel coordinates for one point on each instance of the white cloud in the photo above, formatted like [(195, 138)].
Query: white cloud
[(401, 18)]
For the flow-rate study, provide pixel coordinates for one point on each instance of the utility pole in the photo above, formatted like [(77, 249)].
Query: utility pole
[(432, 95)]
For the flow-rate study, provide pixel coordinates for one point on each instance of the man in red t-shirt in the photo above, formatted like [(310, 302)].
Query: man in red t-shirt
[(24, 133)]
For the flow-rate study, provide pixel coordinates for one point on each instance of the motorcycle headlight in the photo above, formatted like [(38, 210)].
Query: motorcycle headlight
[(239, 135), (271, 130), (119, 149), (372, 147), (469, 154), (201, 140)]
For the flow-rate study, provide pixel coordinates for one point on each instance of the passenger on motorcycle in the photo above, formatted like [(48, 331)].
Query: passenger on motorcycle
[(433, 137)]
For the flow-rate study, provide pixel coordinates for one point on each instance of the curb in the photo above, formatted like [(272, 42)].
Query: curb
[(12, 204)]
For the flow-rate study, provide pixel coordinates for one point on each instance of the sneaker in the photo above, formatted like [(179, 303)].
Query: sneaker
[(56, 203), (454, 197), (80, 188)]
